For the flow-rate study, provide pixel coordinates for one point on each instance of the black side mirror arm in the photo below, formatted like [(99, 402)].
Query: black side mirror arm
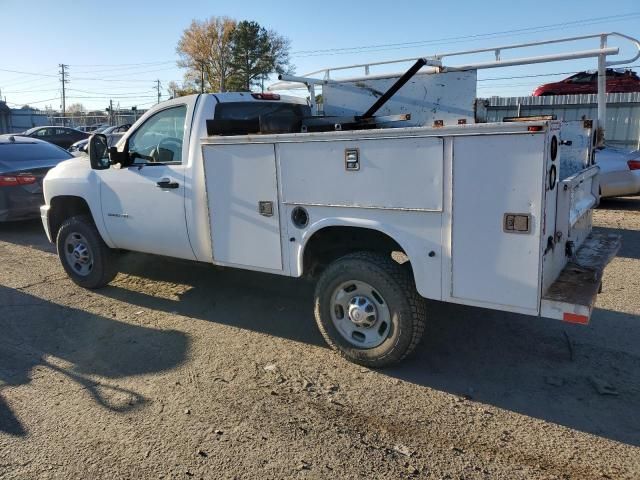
[(122, 157)]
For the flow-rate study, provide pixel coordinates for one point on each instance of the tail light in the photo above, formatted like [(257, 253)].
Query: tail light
[(12, 180), (634, 164), (266, 96)]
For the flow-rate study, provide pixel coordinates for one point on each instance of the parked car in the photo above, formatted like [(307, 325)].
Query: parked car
[(62, 136), (587, 82), (24, 162), (86, 128), (619, 171), (111, 132)]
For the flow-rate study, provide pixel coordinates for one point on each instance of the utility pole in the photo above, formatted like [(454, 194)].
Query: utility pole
[(63, 78), (111, 112), (158, 88), (201, 77)]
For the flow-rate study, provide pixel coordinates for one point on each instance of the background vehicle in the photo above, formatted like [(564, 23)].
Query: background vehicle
[(619, 171), (62, 136), (587, 82), (111, 132), (86, 128), (23, 164)]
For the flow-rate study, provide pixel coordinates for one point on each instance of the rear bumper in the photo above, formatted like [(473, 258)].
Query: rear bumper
[(44, 216), (16, 203), (572, 296)]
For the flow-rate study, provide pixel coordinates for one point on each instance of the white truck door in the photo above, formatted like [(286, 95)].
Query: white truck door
[(143, 205), (242, 194)]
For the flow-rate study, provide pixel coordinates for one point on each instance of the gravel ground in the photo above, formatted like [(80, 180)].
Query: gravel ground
[(182, 370)]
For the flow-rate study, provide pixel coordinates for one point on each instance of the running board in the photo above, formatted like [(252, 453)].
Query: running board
[(572, 296)]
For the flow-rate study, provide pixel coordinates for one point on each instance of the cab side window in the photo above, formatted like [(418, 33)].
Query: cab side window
[(160, 138)]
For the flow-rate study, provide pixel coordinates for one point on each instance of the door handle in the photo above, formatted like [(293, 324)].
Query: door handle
[(166, 183)]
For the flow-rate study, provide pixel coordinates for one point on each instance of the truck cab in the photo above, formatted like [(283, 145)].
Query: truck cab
[(150, 198)]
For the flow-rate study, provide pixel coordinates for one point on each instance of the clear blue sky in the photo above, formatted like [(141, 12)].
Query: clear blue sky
[(117, 49)]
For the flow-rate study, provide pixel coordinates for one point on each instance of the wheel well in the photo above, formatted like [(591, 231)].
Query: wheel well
[(64, 207), (331, 243)]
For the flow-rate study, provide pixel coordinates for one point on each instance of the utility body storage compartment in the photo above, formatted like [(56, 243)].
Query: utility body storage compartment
[(479, 210)]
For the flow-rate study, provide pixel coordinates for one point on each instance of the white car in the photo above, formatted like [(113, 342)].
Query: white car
[(619, 171)]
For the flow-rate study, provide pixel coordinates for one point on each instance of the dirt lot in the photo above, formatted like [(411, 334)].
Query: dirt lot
[(180, 370)]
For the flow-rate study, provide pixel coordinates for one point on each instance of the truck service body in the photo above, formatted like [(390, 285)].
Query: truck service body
[(494, 215)]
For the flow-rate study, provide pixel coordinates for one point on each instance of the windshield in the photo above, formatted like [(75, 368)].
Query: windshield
[(31, 130)]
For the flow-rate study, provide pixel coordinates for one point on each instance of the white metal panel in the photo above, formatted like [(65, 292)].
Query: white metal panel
[(418, 233), (427, 97), (493, 176), (238, 177), (394, 173)]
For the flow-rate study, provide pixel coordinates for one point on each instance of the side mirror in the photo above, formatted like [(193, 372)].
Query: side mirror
[(98, 152)]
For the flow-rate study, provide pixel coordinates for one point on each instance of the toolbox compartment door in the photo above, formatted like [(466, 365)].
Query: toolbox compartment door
[(494, 177), (242, 196)]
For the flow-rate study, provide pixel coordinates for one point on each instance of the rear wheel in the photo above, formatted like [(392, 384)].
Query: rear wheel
[(367, 309), (85, 257)]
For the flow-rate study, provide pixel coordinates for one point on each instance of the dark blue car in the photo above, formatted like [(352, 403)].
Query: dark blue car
[(24, 162)]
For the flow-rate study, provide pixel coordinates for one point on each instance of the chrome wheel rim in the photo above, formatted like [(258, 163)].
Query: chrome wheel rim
[(360, 314), (78, 254)]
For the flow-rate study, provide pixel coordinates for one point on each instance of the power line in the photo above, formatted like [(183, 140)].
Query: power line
[(465, 38), (35, 101), (121, 64), (113, 94), (32, 91), (111, 77), (110, 96), (107, 78), (117, 69), (27, 73)]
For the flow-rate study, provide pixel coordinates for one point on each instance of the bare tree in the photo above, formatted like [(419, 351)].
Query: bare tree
[(176, 90), (76, 108), (205, 50)]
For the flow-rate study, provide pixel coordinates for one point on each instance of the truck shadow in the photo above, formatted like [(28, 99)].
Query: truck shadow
[(584, 378), (27, 233), (620, 203), (536, 367), (90, 350), (271, 304), (630, 243)]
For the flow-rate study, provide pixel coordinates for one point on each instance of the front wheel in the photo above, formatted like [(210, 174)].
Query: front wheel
[(85, 257), (367, 308)]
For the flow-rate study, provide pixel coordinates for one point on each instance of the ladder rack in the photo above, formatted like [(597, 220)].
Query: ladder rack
[(435, 65)]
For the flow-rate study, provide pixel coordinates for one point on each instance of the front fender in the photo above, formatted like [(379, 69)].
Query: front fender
[(75, 178)]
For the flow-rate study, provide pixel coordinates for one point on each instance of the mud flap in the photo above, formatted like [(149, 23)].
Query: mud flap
[(572, 296)]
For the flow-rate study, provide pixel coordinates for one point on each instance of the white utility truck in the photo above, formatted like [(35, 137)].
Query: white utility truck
[(488, 214)]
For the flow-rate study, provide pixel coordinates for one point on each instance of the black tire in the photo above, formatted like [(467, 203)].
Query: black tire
[(395, 285), (104, 265)]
